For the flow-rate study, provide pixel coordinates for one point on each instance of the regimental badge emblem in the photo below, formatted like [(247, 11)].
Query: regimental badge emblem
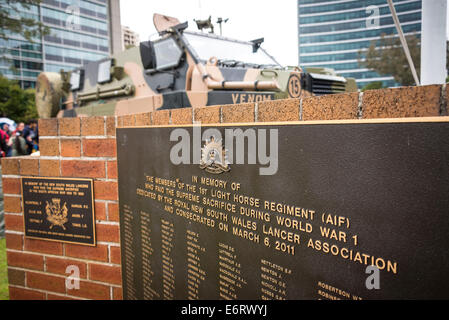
[(57, 214), (213, 158)]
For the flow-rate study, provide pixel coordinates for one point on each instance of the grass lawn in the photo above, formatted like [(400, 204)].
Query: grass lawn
[(4, 294)]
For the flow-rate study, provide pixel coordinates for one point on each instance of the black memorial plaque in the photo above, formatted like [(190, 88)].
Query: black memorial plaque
[(345, 196), (59, 209)]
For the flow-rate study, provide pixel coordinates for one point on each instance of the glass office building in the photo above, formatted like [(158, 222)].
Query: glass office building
[(79, 32), (332, 32)]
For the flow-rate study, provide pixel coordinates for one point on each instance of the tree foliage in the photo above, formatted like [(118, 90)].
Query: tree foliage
[(373, 86), (11, 21), (386, 56), (16, 103)]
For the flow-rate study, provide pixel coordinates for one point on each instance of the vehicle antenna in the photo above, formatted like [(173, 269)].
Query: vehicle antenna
[(220, 21)]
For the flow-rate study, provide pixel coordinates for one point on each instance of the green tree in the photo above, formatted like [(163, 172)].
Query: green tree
[(16, 103), (386, 56), (11, 21), (373, 86)]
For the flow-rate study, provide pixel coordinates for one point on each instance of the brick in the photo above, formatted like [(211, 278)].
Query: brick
[(25, 294), (142, 119), (181, 116), (207, 114), (49, 147), (55, 297), (48, 127), (99, 148), (14, 241), (91, 290), (445, 108), (83, 168), (16, 277), (128, 120), (69, 126), (278, 110), (161, 118), (110, 126), (10, 166), (106, 190), (120, 121), (104, 273), (422, 101), (50, 168), (71, 148), (92, 126), (113, 212), (42, 246), (117, 293), (115, 256), (11, 186), (98, 253), (13, 204), (29, 167), (240, 113), (331, 107), (100, 211), (59, 266), (107, 233), (14, 222), (45, 282), (112, 170), (25, 260)]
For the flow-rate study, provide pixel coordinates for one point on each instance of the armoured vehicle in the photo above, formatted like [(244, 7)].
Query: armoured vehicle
[(179, 69)]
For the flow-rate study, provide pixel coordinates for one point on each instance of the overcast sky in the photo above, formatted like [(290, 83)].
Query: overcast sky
[(276, 21)]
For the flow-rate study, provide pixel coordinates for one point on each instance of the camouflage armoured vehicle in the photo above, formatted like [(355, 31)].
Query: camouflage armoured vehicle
[(180, 69)]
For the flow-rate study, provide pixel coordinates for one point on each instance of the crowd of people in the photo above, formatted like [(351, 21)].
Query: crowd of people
[(22, 141)]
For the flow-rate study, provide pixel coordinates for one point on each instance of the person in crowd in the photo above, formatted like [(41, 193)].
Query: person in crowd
[(20, 127), (31, 135), (4, 140), (18, 145), (6, 129)]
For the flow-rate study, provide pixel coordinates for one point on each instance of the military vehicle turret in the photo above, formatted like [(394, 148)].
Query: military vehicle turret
[(179, 69)]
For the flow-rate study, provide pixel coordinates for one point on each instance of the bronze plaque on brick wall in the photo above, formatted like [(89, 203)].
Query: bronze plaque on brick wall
[(59, 209), (342, 210)]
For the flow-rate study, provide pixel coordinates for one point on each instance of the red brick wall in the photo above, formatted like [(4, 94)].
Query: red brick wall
[(82, 148), (85, 148)]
